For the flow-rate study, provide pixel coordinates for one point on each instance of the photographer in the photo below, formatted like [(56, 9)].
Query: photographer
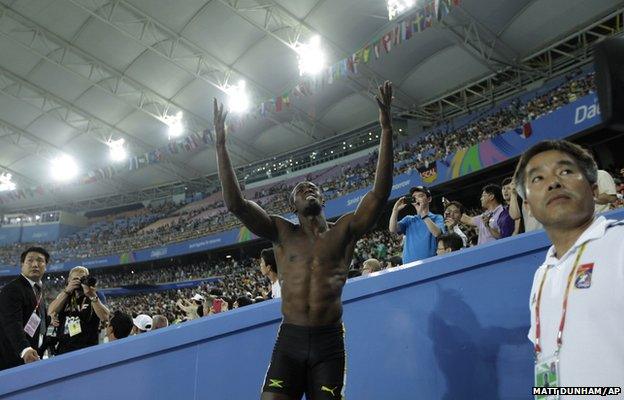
[(80, 309), (420, 230)]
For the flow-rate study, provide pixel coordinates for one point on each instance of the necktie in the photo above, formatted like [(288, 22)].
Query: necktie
[(41, 310)]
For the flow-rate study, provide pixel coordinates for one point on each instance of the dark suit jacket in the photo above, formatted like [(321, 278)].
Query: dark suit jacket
[(17, 303)]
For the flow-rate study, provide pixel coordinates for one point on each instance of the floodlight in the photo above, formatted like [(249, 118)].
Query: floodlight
[(6, 184), (398, 7), (238, 99), (311, 57), (117, 151), (176, 127), (64, 168)]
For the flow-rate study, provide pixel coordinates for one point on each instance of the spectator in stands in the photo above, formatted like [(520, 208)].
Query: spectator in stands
[(217, 304), (354, 273), (141, 324), (420, 230), (453, 212), (607, 192), (495, 223), (518, 210), (508, 194), (198, 299), (119, 326), (189, 308), (23, 317), (558, 180), (242, 301), (395, 261), (81, 309), (268, 269), (449, 242), (159, 321), (371, 265)]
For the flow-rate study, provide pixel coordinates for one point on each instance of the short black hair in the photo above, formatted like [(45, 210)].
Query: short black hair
[(35, 249), (122, 324), (452, 240), (496, 191), (396, 260), (244, 301), (354, 273), (457, 204), (268, 255), (422, 189), (507, 181), (583, 158)]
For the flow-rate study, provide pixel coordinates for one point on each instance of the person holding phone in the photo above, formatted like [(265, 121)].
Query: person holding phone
[(421, 230)]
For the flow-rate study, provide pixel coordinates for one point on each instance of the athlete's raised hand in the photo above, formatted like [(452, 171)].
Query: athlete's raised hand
[(219, 122)]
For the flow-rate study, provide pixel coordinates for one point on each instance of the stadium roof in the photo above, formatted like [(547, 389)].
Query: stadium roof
[(76, 73)]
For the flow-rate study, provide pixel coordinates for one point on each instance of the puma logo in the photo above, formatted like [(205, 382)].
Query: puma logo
[(326, 389)]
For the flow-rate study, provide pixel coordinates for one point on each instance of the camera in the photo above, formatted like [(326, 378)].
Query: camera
[(409, 199), (88, 280)]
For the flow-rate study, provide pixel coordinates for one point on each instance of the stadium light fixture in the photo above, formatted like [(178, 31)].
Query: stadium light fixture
[(176, 127), (399, 7), (64, 168), (238, 99), (6, 182), (116, 150), (311, 57)]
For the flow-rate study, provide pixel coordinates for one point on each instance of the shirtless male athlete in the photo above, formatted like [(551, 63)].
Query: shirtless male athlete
[(313, 258)]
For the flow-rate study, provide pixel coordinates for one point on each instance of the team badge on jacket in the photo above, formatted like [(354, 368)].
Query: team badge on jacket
[(584, 276)]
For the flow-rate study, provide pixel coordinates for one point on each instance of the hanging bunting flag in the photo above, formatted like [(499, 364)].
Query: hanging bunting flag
[(386, 42), (351, 64), (343, 67), (278, 104), (366, 54), (418, 21)]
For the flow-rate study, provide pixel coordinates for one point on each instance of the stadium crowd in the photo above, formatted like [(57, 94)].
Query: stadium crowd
[(133, 231), (151, 299)]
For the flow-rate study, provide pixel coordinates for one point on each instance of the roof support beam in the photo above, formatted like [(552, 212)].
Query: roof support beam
[(188, 56), (47, 150), (85, 123), (68, 57), (567, 54)]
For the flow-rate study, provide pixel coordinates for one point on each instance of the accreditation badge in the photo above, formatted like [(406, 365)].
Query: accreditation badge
[(73, 326), (32, 324), (547, 376)]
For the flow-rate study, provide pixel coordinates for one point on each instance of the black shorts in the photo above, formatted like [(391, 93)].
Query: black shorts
[(308, 360)]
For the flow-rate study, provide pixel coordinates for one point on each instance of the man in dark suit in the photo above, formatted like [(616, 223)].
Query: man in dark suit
[(23, 311)]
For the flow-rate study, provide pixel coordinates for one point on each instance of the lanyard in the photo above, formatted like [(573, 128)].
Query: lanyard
[(538, 348)]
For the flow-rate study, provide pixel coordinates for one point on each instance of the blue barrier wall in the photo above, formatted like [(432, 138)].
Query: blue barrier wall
[(452, 327), (10, 234)]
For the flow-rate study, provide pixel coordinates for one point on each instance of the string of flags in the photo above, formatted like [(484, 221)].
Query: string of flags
[(403, 30), (418, 21), (187, 144)]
